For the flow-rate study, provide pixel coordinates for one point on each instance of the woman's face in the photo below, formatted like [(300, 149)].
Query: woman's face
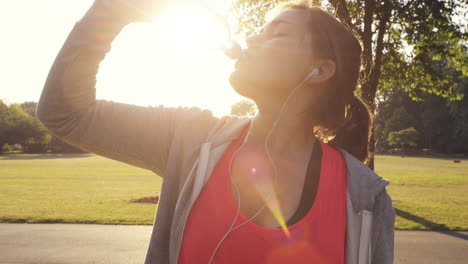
[(276, 59)]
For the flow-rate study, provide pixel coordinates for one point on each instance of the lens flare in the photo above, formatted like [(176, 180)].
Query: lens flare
[(259, 175), (296, 249), (275, 209)]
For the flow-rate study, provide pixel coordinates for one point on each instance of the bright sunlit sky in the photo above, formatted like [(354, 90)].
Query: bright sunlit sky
[(172, 61)]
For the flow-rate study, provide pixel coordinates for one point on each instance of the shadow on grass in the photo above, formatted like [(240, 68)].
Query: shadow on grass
[(150, 200), (43, 156), (440, 228)]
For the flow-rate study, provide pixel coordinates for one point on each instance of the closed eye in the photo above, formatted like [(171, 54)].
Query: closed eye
[(277, 35)]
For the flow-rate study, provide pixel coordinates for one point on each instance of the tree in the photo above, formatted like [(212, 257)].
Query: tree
[(404, 43), (398, 120), (243, 108), (29, 107), (18, 127), (38, 144), (44, 140), (404, 138), (443, 123), (459, 113)]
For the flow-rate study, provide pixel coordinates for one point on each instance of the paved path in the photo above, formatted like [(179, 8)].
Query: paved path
[(99, 244), (431, 247), (71, 243)]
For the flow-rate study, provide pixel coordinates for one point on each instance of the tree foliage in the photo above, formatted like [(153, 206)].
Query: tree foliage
[(414, 46), (405, 43), (404, 138), (18, 127), (21, 130), (243, 108), (442, 123)]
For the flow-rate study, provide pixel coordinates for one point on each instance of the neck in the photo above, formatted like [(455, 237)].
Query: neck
[(293, 129)]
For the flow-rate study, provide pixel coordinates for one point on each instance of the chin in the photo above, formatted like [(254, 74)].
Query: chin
[(242, 84)]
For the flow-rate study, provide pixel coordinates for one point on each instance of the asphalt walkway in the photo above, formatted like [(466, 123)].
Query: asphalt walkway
[(99, 244)]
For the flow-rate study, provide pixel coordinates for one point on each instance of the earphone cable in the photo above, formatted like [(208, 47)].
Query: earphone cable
[(274, 170)]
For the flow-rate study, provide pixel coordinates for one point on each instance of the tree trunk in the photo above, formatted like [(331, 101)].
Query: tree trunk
[(372, 57), (372, 52), (367, 88)]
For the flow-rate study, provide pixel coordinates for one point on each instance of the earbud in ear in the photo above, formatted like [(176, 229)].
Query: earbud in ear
[(313, 73)]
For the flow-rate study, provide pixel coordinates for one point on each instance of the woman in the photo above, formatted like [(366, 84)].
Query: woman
[(265, 189)]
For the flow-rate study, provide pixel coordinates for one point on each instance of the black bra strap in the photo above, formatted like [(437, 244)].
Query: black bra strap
[(311, 184)]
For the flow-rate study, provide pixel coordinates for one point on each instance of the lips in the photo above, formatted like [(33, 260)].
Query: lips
[(244, 58)]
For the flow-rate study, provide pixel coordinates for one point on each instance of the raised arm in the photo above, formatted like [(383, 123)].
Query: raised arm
[(140, 136)]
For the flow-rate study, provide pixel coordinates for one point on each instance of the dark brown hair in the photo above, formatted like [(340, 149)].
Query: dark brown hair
[(341, 117)]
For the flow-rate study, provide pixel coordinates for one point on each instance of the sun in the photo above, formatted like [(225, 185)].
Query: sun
[(191, 26), (173, 61)]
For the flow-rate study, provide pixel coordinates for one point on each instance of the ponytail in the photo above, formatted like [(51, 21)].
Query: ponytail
[(340, 118), (353, 136)]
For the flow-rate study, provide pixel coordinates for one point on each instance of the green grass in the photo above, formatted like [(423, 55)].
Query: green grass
[(428, 193), (74, 188)]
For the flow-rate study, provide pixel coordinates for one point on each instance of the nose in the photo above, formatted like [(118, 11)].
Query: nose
[(253, 40)]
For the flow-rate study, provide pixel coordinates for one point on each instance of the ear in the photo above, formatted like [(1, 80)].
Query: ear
[(325, 70)]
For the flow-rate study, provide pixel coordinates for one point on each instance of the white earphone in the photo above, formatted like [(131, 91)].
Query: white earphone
[(315, 71)]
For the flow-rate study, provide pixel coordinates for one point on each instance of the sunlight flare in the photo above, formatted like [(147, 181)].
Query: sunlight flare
[(259, 176), (173, 61)]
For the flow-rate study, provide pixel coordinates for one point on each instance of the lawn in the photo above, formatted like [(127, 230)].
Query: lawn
[(74, 188), (428, 193)]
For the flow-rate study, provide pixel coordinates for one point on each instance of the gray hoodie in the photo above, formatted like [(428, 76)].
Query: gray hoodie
[(182, 145)]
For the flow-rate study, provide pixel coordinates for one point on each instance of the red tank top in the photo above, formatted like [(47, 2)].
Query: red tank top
[(317, 238)]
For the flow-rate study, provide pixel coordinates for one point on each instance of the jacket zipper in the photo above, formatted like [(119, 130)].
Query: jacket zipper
[(365, 238)]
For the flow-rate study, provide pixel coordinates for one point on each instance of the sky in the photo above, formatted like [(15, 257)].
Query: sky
[(172, 61)]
